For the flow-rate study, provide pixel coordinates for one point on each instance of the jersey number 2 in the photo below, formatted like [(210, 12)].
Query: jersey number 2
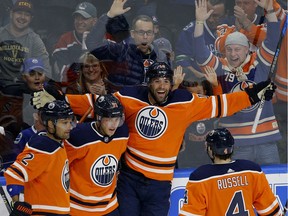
[(27, 157), (237, 206)]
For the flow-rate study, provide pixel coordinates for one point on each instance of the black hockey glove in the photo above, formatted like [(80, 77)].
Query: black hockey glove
[(21, 209), (256, 91)]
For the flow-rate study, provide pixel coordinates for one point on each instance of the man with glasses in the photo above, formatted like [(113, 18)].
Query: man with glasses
[(134, 56)]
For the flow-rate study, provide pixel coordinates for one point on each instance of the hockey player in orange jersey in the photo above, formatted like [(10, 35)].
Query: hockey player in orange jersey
[(42, 169), (94, 150), (228, 187), (157, 119)]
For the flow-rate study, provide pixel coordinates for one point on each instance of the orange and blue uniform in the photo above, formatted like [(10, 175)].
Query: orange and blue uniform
[(94, 160), (234, 188), (43, 169)]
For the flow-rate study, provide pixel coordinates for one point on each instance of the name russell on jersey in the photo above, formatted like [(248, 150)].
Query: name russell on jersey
[(236, 181)]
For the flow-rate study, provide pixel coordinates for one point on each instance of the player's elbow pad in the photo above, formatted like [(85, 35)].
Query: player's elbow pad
[(15, 189)]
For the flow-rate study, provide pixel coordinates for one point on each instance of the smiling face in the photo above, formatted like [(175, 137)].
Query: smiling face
[(20, 20), (92, 71), (159, 89), (236, 54), (82, 24)]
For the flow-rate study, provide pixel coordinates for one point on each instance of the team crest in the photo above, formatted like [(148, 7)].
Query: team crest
[(103, 170), (151, 122), (240, 86), (66, 177)]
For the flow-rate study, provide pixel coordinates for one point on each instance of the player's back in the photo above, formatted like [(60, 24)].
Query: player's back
[(229, 189)]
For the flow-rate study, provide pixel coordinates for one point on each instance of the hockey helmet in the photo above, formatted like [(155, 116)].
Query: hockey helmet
[(159, 69), (56, 110), (108, 106), (220, 141)]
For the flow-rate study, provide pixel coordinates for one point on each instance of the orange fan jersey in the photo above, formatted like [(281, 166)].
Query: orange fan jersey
[(156, 132), (93, 160), (43, 169), (229, 189)]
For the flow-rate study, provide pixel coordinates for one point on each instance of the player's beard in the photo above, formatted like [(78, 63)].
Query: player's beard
[(156, 99)]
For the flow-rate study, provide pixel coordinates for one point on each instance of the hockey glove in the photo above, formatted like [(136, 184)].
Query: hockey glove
[(21, 209), (48, 94), (256, 91)]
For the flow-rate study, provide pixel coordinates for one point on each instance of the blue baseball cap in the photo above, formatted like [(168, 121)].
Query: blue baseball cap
[(33, 64)]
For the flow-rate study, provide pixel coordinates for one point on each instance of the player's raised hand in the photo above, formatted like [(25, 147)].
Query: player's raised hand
[(117, 8)]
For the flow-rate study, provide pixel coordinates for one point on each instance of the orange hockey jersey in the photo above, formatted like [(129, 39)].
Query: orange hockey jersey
[(43, 169), (93, 162), (156, 132), (229, 189)]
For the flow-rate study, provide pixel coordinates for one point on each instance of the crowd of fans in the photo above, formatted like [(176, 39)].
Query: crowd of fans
[(82, 47)]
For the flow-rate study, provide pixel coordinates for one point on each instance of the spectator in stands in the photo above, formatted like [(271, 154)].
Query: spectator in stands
[(245, 14), (185, 46), (71, 45), (15, 109), (241, 68), (34, 78), (91, 78), (18, 42), (138, 54), (164, 51), (256, 34)]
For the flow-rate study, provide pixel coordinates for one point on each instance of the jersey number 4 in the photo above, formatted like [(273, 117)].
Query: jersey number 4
[(237, 206)]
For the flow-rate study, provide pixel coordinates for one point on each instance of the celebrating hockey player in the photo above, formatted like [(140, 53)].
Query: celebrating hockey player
[(157, 119), (228, 187), (42, 169), (94, 150)]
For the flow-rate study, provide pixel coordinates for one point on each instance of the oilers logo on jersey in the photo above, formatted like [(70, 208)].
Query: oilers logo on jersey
[(104, 169), (151, 122), (240, 86), (66, 177)]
